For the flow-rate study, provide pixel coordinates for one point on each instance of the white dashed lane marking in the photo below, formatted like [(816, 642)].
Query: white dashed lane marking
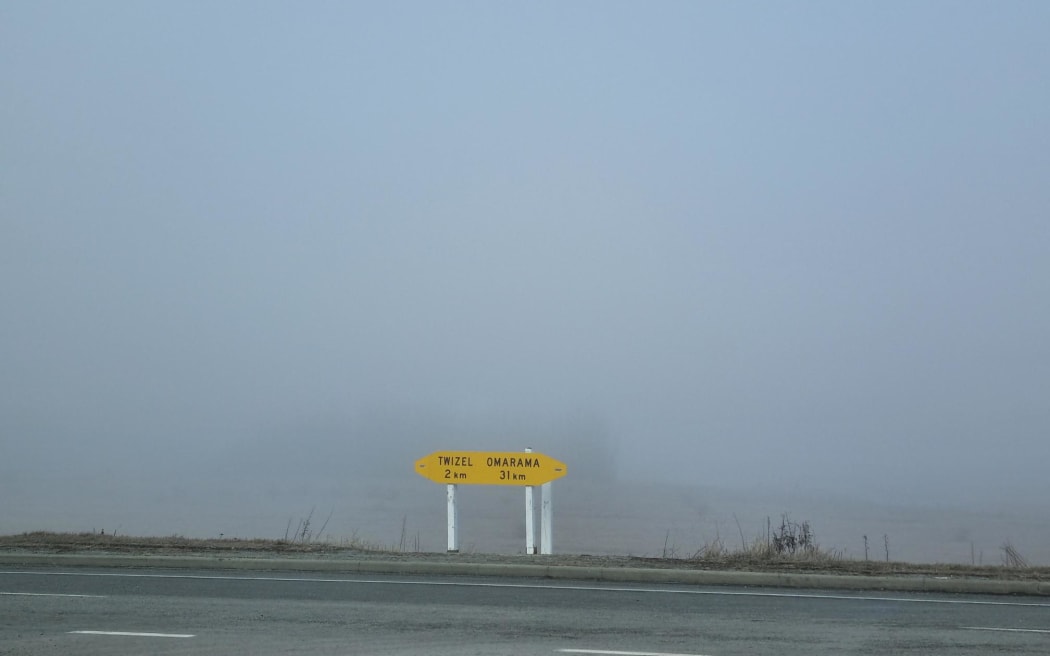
[(993, 628), (599, 652), (50, 594), (136, 634)]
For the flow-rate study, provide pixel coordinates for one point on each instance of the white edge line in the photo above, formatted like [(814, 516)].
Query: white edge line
[(50, 594), (136, 634), (585, 588), (995, 628), (608, 653)]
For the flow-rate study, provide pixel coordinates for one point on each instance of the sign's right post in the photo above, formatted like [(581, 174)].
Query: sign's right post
[(546, 520)]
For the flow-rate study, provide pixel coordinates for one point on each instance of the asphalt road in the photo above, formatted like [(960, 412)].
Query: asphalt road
[(53, 611)]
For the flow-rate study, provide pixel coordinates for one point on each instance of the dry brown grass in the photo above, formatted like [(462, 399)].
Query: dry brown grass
[(760, 555), (81, 542), (792, 547)]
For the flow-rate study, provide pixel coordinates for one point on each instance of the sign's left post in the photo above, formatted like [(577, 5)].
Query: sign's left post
[(453, 520)]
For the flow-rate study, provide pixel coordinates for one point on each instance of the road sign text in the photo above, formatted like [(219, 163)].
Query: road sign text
[(490, 468)]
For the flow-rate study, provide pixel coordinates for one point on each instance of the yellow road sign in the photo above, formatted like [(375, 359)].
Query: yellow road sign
[(490, 468)]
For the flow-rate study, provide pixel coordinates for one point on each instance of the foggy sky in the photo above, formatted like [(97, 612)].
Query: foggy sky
[(794, 245)]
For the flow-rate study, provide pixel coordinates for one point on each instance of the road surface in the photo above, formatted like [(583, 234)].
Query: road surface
[(54, 611)]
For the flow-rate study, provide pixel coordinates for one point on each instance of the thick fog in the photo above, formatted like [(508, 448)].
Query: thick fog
[(256, 251)]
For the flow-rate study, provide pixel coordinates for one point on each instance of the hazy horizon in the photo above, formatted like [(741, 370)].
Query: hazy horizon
[(795, 248)]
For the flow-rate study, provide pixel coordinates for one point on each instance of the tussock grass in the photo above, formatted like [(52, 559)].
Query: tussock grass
[(789, 542), (792, 547), (758, 551)]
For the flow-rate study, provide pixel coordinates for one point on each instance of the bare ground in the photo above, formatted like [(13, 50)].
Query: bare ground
[(818, 562)]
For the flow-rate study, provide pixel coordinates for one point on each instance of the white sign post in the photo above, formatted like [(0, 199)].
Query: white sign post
[(530, 518), (453, 521), (546, 520)]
